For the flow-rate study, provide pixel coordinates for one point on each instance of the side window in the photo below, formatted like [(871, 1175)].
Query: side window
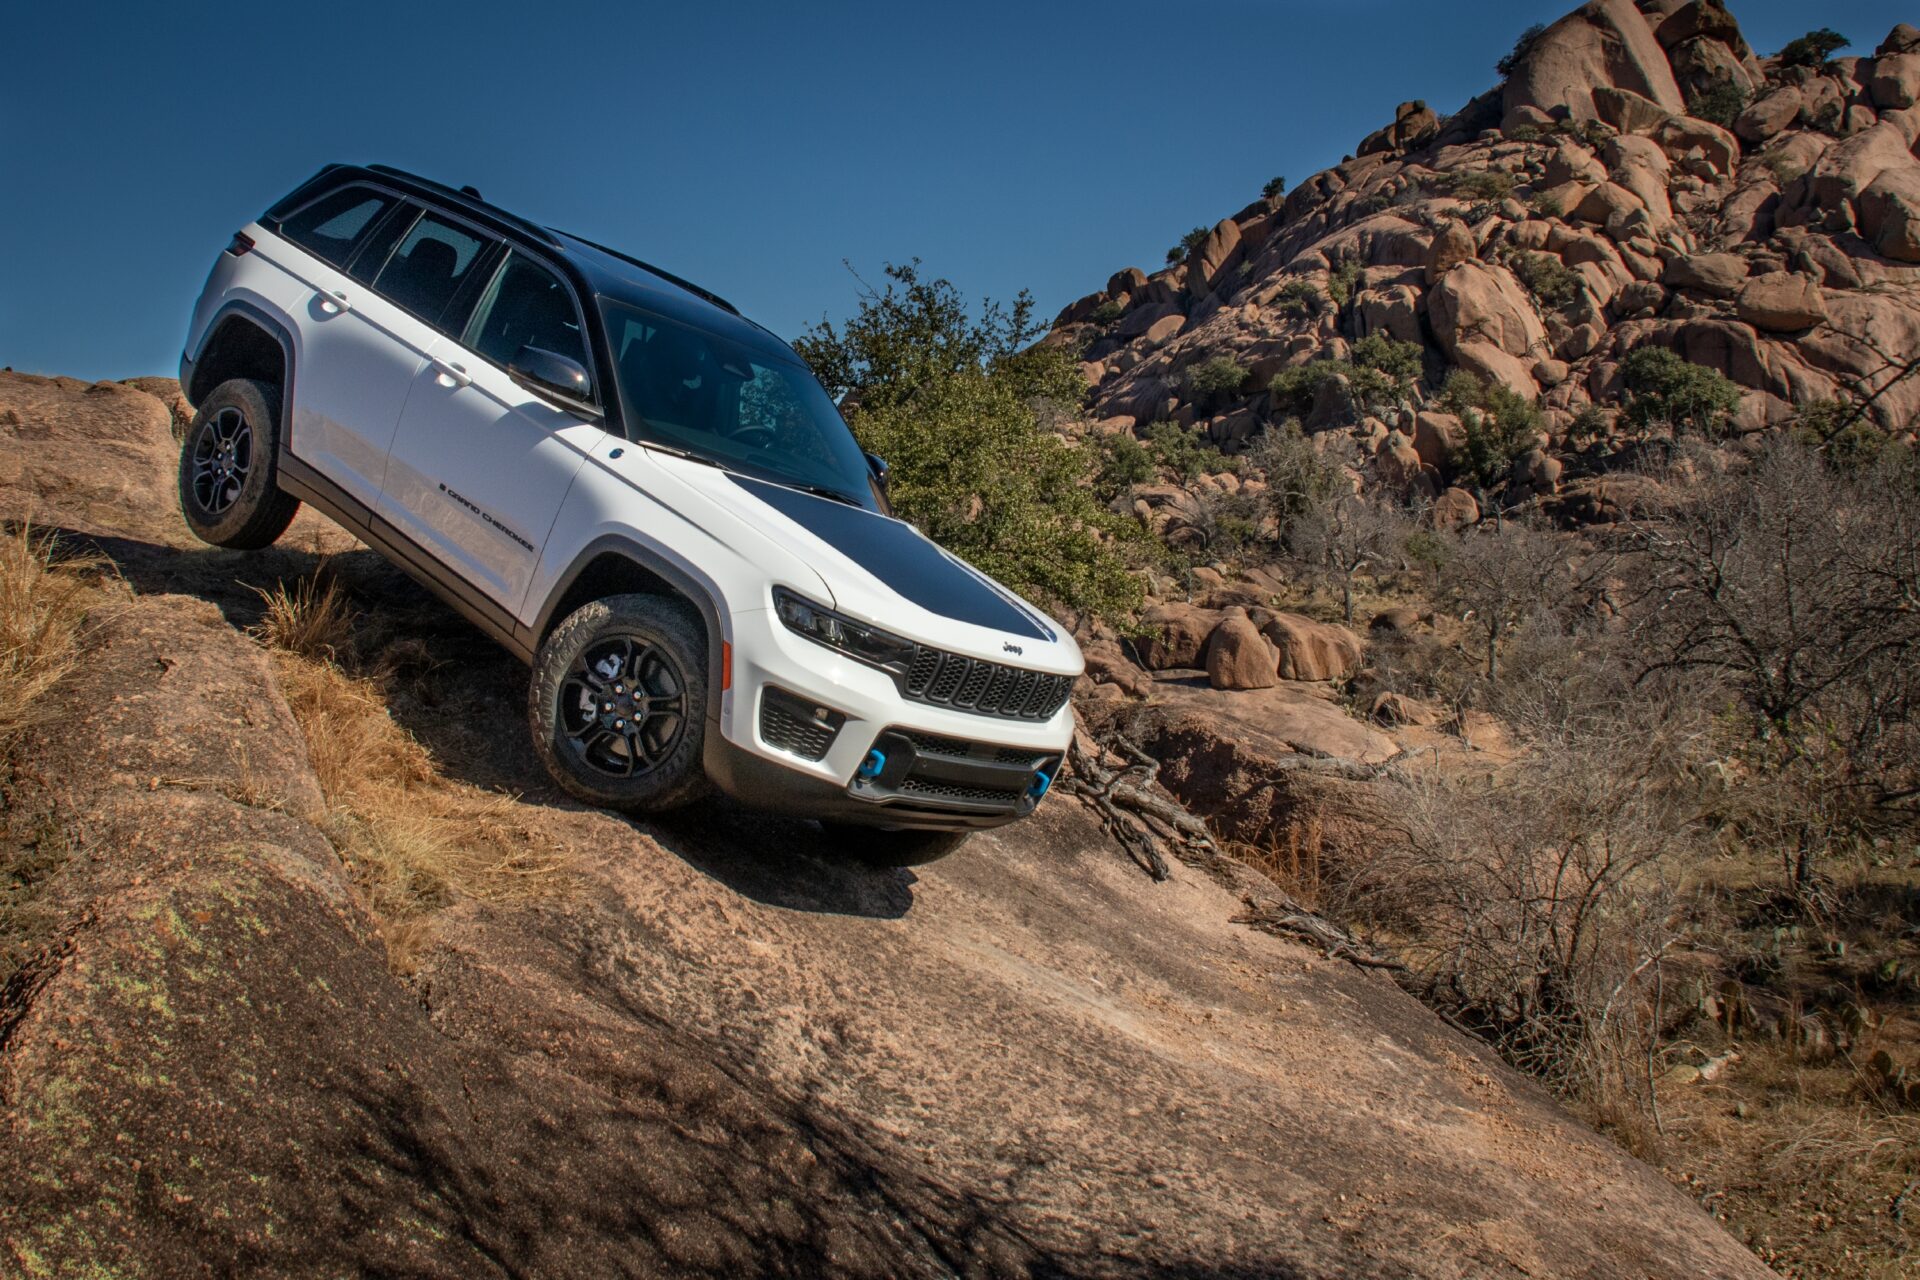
[(526, 306), (372, 255), (333, 226), (429, 266)]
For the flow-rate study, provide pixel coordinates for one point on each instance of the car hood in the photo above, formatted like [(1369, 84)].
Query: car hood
[(886, 572)]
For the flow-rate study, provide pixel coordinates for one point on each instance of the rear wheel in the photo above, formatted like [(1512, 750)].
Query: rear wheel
[(229, 468), (878, 847), (618, 706)]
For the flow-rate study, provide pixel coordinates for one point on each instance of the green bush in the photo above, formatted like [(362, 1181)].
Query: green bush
[(1511, 63), (1274, 187), (1663, 388), (1399, 361), (1109, 311), (1497, 423), (1589, 424), (1211, 382), (1297, 298), (1719, 103), (952, 401), (1487, 185), (1186, 452), (1380, 371), (1813, 48), (1554, 284), (1547, 205), (1343, 280), (1124, 463), (1525, 132), (1188, 243)]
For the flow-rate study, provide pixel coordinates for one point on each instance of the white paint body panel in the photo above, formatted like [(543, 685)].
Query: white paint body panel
[(372, 414)]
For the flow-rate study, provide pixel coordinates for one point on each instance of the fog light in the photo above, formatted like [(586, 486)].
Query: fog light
[(876, 761)]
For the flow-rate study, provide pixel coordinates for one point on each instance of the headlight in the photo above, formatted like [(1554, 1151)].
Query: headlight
[(836, 631)]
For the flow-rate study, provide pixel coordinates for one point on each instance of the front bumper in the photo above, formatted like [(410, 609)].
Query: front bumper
[(941, 769)]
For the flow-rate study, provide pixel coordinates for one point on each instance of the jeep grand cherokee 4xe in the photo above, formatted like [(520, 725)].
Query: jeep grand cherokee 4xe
[(644, 495)]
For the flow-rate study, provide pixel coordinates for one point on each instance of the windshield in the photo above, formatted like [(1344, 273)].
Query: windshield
[(727, 403)]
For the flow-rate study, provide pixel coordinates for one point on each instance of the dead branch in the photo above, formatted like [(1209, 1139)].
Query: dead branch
[(1143, 818)]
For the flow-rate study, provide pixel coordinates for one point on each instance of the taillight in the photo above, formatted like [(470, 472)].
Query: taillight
[(241, 243)]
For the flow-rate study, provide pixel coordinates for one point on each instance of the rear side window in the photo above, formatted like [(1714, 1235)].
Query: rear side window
[(526, 306), (333, 226), (429, 267)]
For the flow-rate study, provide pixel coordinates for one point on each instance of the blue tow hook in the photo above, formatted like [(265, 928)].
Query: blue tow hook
[(1038, 787), (876, 761)]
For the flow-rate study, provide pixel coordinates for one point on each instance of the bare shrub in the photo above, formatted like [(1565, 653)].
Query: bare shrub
[(1540, 902), (1792, 585), (1343, 538)]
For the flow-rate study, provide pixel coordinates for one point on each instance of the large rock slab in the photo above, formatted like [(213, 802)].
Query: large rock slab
[(1607, 43)]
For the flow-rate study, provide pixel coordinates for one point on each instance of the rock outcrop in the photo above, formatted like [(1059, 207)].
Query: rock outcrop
[(1545, 230), (711, 1045)]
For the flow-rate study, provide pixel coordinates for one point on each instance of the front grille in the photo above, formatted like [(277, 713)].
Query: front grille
[(934, 744), (790, 724), (984, 688), (957, 791)]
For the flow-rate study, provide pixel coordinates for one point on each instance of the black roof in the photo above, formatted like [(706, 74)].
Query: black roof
[(605, 272)]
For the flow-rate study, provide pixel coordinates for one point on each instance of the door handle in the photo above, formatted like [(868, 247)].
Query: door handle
[(452, 372), (336, 302)]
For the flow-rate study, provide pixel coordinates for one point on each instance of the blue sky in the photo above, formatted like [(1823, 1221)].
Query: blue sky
[(750, 147)]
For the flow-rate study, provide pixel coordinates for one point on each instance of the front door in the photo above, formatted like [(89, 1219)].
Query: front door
[(480, 464)]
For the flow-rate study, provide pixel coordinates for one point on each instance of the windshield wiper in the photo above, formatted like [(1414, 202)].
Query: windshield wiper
[(820, 491), (688, 454)]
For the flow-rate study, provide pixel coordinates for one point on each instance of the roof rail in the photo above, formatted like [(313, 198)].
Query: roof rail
[(692, 288), (471, 198)]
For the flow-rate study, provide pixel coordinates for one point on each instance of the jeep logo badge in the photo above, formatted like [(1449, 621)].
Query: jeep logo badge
[(1011, 647)]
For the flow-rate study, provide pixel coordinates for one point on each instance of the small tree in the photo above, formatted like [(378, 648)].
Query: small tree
[(953, 400), (1813, 48), (1216, 380), (1497, 424), (1342, 538), (1521, 47), (1719, 103), (1188, 243), (1275, 187), (1501, 572), (1664, 389), (1298, 476)]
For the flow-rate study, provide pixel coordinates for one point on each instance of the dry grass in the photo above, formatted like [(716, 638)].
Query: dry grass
[(414, 840), (42, 607), (309, 619)]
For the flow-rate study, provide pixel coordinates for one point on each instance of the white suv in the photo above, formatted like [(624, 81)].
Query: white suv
[(644, 495)]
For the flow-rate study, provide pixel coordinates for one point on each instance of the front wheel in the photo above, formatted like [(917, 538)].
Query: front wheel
[(618, 705), (878, 847), (229, 468)]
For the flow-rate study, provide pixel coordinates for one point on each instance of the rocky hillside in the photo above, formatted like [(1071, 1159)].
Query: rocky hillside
[(1579, 210), (709, 1046)]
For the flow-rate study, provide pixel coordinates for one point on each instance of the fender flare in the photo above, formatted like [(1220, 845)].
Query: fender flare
[(701, 594), (261, 319)]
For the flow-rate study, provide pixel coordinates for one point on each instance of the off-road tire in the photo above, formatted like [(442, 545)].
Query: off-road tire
[(879, 847), (259, 512), (672, 632)]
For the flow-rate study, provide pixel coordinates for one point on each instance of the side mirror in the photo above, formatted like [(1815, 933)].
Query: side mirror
[(878, 465), (550, 373)]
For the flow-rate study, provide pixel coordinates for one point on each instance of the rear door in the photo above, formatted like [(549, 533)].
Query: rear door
[(480, 464), (351, 373)]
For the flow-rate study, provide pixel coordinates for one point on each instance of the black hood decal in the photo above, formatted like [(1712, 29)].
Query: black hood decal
[(909, 564)]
